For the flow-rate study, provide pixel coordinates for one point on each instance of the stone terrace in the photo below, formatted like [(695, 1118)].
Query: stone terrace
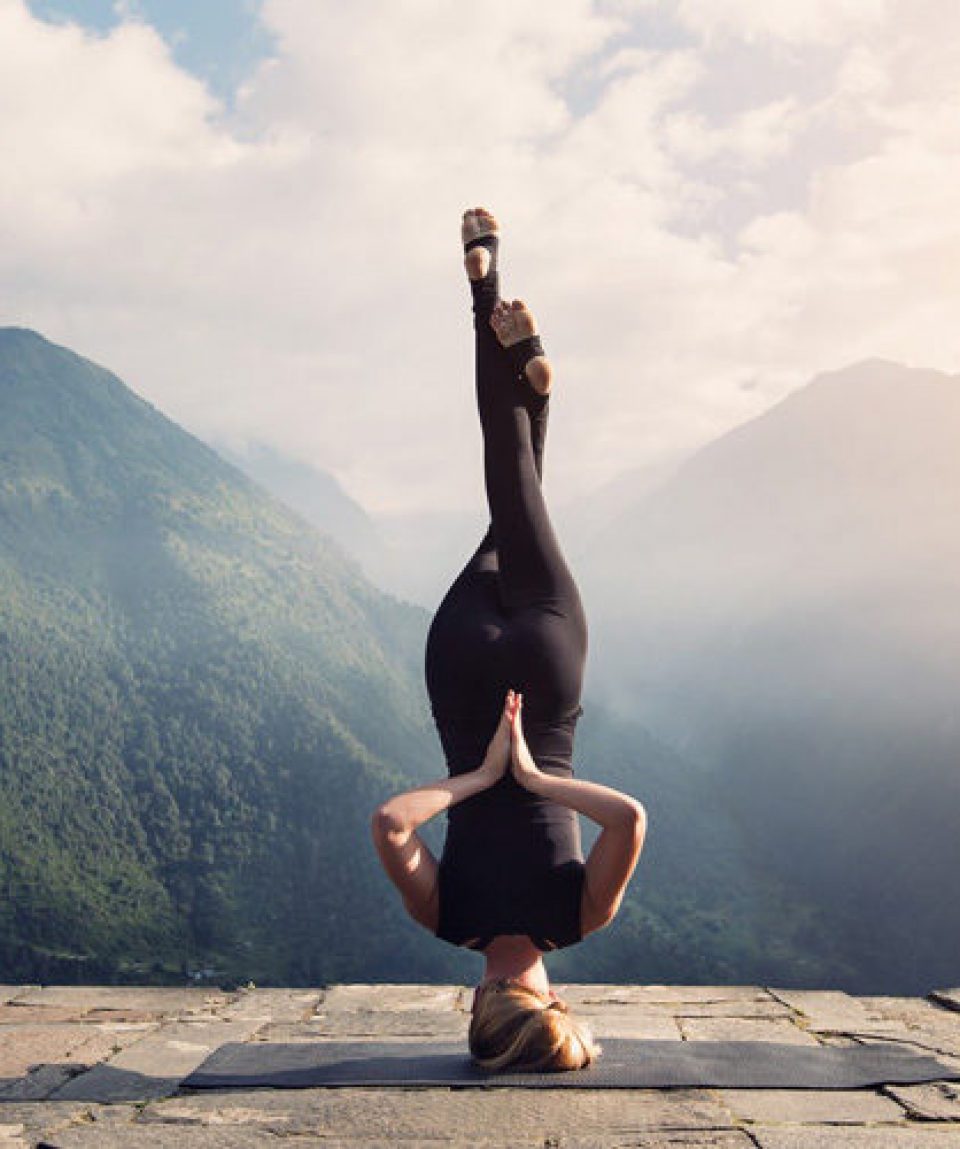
[(87, 1066)]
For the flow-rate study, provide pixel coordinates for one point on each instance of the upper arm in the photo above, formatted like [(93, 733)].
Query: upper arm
[(609, 868), (411, 867)]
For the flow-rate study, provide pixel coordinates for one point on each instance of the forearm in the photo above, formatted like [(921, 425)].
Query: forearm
[(607, 807), (404, 813)]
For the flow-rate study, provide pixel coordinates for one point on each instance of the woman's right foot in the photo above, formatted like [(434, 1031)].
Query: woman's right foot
[(515, 327), (477, 224)]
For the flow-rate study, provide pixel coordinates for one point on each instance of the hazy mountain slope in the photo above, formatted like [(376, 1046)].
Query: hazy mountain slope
[(700, 909), (316, 495), (786, 608), (202, 699)]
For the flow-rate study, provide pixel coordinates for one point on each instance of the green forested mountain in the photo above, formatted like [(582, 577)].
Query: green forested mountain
[(201, 701)]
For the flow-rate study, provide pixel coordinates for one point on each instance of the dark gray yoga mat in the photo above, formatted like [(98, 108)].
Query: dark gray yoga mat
[(625, 1064)]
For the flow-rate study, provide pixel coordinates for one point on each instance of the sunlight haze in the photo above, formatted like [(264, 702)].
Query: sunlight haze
[(705, 202)]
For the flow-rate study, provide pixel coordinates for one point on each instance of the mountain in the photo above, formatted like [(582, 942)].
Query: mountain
[(785, 609), (412, 555), (315, 495), (201, 701), (584, 522)]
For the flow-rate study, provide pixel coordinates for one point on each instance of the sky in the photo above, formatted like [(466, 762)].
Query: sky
[(250, 211)]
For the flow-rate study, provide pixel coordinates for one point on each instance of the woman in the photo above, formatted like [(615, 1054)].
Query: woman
[(504, 665)]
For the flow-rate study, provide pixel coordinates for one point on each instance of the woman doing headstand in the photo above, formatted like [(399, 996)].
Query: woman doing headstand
[(504, 666)]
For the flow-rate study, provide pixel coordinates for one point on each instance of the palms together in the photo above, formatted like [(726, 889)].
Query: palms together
[(497, 758), (521, 760), (508, 746)]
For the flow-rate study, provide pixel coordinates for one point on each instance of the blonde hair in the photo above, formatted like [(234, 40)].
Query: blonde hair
[(514, 1027)]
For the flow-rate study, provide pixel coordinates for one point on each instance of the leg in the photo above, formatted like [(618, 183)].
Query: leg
[(481, 247), (532, 567), (513, 616), (513, 407)]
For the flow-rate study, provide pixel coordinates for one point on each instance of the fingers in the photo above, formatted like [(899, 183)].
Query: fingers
[(516, 723), (512, 701)]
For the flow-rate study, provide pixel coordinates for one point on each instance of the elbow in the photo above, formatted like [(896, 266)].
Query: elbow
[(387, 827), (635, 821)]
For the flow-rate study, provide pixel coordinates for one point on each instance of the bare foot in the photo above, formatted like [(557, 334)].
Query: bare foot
[(513, 322), (477, 221)]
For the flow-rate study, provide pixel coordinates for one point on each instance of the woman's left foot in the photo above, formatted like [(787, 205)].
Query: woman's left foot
[(515, 327)]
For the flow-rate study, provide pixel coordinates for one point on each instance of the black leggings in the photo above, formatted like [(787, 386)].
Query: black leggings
[(513, 617)]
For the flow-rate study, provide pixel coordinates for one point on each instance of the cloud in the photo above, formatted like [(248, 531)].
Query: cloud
[(801, 22), (287, 269)]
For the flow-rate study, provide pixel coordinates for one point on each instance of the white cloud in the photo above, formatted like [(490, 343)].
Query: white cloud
[(792, 21), (290, 270)]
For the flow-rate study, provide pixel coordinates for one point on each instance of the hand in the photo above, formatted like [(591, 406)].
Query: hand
[(497, 757), (525, 770)]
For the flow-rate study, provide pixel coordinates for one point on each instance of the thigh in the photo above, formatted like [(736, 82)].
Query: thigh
[(548, 647), (465, 644)]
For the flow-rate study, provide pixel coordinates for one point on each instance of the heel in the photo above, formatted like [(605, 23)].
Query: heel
[(485, 291)]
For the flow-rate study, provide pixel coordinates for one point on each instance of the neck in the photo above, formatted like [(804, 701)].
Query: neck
[(515, 956)]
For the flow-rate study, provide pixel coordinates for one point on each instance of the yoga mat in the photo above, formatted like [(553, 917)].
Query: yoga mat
[(625, 1064)]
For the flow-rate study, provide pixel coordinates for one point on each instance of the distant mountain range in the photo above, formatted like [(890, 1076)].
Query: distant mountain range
[(785, 609), (201, 701)]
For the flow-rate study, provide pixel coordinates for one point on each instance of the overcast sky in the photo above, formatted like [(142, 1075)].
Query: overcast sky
[(250, 212)]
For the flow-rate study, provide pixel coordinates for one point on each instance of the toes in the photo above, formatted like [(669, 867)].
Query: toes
[(479, 221)]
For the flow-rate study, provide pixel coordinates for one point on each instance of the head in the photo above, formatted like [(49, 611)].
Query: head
[(514, 1027)]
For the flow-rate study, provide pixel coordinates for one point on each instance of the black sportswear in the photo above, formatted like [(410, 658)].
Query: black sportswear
[(512, 861)]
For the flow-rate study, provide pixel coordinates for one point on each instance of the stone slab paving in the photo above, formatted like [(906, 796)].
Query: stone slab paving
[(849, 1137), (9, 992), (24, 1046), (396, 998), (101, 1066), (937, 1101), (155, 1065), (382, 1024), (812, 1106), (277, 1006), (443, 1115), (947, 997), (925, 1025), (761, 1008), (744, 1029), (626, 1022), (153, 999)]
